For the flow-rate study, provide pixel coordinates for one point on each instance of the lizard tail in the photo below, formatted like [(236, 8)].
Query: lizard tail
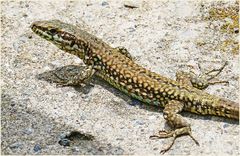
[(231, 108)]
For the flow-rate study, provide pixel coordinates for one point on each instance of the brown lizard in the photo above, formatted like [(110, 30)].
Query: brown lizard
[(116, 66)]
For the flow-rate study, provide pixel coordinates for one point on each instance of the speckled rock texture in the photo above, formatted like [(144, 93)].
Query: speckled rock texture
[(38, 117)]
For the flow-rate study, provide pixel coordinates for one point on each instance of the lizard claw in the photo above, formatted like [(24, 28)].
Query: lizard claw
[(163, 151), (61, 84), (173, 134), (163, 134)]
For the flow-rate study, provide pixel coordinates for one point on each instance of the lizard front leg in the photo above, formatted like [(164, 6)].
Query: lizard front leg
[(79, 78), (175, 121), (123, 51)]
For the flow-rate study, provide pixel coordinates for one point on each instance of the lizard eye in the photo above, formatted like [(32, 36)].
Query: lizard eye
[(53, 31)]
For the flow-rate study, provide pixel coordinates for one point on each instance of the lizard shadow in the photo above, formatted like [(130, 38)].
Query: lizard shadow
[(61, 74), (28, 126)]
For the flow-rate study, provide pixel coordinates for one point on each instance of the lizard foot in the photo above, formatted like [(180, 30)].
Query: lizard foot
[(209, 75), (65, 84), (74, 79), (203, 80), (173, 134)]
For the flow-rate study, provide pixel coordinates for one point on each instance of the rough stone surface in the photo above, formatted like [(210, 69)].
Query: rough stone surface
[(164, 36)]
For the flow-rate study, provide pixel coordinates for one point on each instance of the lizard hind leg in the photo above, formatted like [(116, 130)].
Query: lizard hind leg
[(175, 121), (201, 81), (211, 76)]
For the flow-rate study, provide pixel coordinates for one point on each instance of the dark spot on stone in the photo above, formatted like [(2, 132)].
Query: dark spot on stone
[(115, 151), (77, 135), (131, 29), (28, 131), (104, 3), (155, 149), (64, 142), (25, 15), (120, 139), (74, 137), (89, 4), (62, 136), (37, 148), (225, 125), (15, 145)]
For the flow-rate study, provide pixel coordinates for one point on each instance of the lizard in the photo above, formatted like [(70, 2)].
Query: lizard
[(117, 67)]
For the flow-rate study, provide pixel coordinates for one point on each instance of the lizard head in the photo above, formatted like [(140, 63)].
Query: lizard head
[(62, 35)]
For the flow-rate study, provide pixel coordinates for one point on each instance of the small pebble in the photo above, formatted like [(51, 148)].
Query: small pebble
[(155, 148), (131, 4), (25, 15), (83, 117), (120, 139), (225, 125), (62, 136), (104, 3), (131, 29), (75, 149), (28, 131), (116, 151), (140, 122), (64, 142), (15, 145), (37, 148)]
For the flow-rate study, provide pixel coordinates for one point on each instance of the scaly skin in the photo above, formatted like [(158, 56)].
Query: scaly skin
[(116, 66)]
